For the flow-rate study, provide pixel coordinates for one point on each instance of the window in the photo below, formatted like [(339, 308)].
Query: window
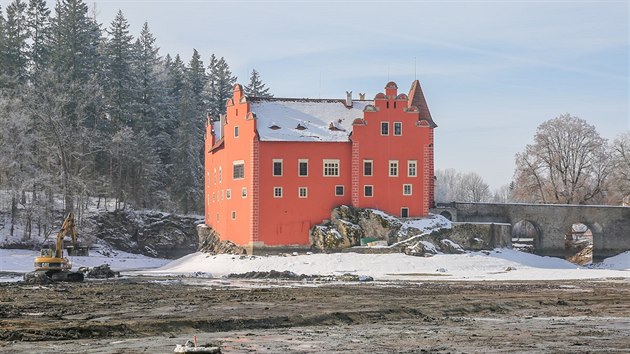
[(277, 192), (217, 216), (302, 168), (368, 191), (236, 131), (233, 215), (339, 191), (220, 174), (384, 128), (277, 167), (367, 167), (331, 168), (244, 192), (412, 168), (404, 212), (238, 170), (302, 192), (398, 128), (406, 189), (214, 196), (228, 194), (393, 168)]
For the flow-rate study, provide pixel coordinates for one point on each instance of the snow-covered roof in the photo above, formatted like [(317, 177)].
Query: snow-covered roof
[(284, 119)]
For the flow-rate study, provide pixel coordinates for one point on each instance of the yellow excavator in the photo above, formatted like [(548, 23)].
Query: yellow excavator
[(52, 263)]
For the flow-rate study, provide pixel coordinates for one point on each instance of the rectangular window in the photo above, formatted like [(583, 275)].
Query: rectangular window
[(238, 169), (367, 167), (236, 132), (302, 192), (277, 167), (244, 192), (393, 168), (233, 215), (407, 189), (404, 212), (228, 194), (331, 168), (302, 168), (398, 128), (384, 128), (220, 174), (412, 168), (368, 191), (277, 192), (339, 191)]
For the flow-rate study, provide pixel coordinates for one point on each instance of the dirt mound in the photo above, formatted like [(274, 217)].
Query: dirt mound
[(102, 272)]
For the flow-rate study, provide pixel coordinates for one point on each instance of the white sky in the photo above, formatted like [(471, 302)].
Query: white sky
[(492, 71)]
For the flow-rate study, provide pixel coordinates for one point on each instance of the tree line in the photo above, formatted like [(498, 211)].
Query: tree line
[(88, 110), (569, 162)]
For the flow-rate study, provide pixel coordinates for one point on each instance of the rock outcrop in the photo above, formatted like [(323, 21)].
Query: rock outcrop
[(210, 242), (152, 233)]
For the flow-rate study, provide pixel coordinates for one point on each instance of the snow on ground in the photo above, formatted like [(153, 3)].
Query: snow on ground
[(21, 261), (500, 264)]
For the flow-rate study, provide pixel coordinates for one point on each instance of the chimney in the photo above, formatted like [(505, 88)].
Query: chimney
[(349, 99), (362, 96)]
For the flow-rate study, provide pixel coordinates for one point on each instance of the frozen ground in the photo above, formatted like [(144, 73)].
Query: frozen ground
[(500, 264)]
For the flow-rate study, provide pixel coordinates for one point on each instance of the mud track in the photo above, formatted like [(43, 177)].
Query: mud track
[(152, 315)]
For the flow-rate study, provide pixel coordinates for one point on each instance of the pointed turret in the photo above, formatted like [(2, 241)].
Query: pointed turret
[(416, 98)]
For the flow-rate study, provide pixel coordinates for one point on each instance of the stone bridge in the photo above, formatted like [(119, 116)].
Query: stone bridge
[(610, 225)]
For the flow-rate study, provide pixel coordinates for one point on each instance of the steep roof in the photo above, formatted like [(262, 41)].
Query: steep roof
[(416, 98), (287, 119)]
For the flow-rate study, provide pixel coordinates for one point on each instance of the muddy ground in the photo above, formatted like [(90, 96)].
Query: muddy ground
[(136, 315)]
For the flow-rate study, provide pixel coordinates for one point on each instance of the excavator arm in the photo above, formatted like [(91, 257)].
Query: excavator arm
[(67, 228)]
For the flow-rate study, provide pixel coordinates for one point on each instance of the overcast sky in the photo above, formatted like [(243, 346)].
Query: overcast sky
[(491, 71)]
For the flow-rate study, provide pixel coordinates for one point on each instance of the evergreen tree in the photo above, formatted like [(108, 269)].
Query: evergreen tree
[(16, 34), (219, 85), (119, 81), (256, 88), (39, 27)]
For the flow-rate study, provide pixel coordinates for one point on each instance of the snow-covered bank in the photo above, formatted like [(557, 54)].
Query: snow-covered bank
[(21, 261), (503, 264)]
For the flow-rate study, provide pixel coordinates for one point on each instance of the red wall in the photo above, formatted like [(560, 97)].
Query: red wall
[(287, 220)]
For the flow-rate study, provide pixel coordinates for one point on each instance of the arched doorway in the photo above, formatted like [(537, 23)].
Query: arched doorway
[(578, 242), (525, 236), (447, 214)]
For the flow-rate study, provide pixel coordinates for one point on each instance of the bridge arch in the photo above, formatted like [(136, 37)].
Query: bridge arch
[(526, 235)]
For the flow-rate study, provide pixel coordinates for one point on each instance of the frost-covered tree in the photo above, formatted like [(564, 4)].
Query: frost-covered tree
[(256, 88), (219, 85), (619, 186), (40, 31), (568, 163), (119, 84), (16, 48), (454, 186)]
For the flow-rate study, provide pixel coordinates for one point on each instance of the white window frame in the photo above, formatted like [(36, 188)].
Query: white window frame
[(415, 168), (336, 168), (277, 192), (300, 162), (410, 187), (384, 124), (236, 132), (343, 190), (365, 189), (237, 163), (273, 167), (244, 192), (300, 189), (233, 214), (400, 126), (228, 194), (393, 164), (371, 162)]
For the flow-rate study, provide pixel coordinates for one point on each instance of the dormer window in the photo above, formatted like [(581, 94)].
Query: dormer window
[(274, 127), (300, 127)]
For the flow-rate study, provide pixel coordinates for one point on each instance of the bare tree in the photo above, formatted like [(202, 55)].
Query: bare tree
[(619, 186), (452, 185), (566, 164)]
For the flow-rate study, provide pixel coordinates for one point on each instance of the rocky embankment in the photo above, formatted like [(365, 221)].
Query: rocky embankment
[(151, 233)]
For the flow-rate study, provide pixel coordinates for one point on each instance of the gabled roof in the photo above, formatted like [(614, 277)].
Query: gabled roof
[(416, 98), (290, 119)]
